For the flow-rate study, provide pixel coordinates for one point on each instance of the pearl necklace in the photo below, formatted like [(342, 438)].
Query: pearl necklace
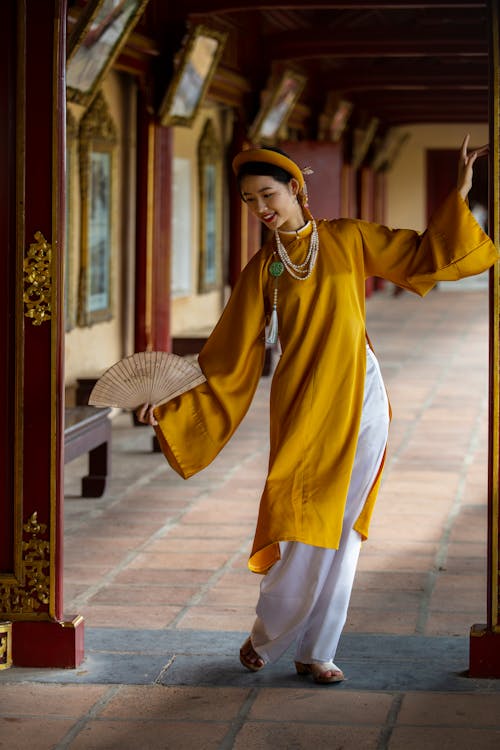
[(299, 271)]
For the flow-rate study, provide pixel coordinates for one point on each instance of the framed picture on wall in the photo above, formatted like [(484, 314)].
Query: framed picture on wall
[(210, 202), (194, 69), (94, 43), (333, 122), (98, 141), (277, 107)]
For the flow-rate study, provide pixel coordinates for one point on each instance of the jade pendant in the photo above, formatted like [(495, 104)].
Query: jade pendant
[(276, 268)]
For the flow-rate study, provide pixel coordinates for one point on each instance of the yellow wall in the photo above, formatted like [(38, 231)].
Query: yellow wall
[(406, 184)]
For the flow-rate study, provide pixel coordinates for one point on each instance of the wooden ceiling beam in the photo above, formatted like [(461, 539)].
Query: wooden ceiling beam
[(336, 44), (403, 72), (239, 6), (455, 86)]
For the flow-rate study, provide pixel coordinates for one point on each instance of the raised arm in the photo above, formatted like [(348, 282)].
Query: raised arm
[(466, 166)]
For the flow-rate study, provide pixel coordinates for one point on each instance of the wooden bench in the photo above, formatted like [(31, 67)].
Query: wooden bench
[(88, 430)]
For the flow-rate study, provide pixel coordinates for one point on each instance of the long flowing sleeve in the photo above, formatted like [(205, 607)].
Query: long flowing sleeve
[(453, 246), (195, 426)]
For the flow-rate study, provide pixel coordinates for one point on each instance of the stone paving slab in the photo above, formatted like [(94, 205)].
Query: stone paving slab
[(210, 658)]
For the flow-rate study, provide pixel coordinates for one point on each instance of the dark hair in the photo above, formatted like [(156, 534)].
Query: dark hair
[(263, 168)]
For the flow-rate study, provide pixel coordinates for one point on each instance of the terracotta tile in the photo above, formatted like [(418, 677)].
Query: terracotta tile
[(380, 621), (85, 573), (466, 549), (238, 577), (443, 738), (39, 733), (207, 531), (317, 706), (157, 735), (218, 618), (179, 703), (235, 597), (453, 622), (127, 616), (181, 560), (448, 582), (304, 736), (389, 600), (453, 600), (385, 581), (450, 710), (463, 565), (383, 563), (169, 544), (144, 595), (48, 700), (160, 576)]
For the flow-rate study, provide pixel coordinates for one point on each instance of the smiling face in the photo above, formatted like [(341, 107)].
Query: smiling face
[(273, 202)]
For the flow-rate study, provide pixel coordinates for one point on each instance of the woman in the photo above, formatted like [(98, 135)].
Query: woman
[(329, 411)]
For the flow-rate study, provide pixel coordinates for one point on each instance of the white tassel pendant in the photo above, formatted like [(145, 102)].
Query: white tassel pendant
[(275, 270), (272, 334)]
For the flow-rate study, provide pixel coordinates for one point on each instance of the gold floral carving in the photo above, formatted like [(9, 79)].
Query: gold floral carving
[(32, 592), (38, 280)]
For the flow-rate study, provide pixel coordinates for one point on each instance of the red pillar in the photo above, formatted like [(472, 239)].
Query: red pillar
[(32, 54), (154, 226), (484, 659)]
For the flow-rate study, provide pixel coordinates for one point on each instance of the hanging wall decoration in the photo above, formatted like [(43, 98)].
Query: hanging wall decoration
[(98, 139), (277, 105), (194, 68), (94, 43)]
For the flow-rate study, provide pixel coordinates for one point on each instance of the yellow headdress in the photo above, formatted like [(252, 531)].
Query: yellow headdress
[(268, 157)]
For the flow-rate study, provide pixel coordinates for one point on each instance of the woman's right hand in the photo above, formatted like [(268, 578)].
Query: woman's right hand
[(144, 414), (465, 166)]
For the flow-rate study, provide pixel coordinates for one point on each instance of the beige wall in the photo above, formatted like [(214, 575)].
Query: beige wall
[(190, 311), (89, 350), (406, 185)]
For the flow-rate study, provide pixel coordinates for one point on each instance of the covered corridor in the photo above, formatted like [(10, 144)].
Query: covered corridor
[(158, 569)]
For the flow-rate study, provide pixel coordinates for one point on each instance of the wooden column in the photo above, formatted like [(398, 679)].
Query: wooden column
[(348, 195), (379, 191), (32, 54), (154, 229), (485, 638), (366, 179), (238, 212)]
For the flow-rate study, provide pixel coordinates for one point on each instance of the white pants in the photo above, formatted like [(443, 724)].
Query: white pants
[(305, 595)]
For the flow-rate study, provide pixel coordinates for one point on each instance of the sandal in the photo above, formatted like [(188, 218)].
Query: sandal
[(323, 672), (250, 658)]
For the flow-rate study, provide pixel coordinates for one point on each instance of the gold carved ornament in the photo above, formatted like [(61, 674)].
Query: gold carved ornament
[(32, 592), (38, 280)]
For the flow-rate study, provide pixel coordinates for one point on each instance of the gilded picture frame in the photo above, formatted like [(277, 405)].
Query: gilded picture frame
[(98, 139), (94, 43), (277, 106), (194, 68)]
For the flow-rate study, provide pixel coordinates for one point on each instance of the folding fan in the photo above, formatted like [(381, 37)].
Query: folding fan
[(145, 378)]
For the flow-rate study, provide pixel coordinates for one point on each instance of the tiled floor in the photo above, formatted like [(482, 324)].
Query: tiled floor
[(158, 569)]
